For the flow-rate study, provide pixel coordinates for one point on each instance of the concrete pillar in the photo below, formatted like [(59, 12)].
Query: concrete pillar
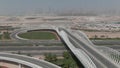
[(20, 66)]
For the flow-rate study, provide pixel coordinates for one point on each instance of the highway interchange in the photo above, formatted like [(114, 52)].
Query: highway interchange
[(98, 58)]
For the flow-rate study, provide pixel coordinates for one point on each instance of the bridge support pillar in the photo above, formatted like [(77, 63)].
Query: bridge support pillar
[(20, 66)]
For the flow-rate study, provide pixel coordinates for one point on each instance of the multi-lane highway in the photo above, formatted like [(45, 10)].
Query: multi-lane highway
[(106, 42), (33, 50)]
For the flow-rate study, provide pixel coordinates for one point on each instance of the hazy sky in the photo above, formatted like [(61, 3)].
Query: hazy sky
[(11, 7)]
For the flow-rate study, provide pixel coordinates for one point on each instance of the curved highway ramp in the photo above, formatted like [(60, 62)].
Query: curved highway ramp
[(28, 61)]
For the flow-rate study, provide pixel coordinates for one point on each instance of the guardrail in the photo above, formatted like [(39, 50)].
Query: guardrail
[(111, 53)]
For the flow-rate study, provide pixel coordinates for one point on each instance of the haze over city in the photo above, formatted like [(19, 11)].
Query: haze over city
[(39, 7)]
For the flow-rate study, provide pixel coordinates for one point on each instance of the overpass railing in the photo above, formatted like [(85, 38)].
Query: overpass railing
[(111, 53)]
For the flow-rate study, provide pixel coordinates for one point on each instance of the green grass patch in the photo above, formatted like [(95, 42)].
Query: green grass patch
[(0, 36), (58, 44), (44, 35), (5, 36)]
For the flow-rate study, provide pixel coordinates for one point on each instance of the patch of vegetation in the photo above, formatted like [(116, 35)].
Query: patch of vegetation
[(0, 36), (51, 58), (38, 35), (5, 36), (52, 44), (66, 62), (118, 22), (91, 30), (104, 38)]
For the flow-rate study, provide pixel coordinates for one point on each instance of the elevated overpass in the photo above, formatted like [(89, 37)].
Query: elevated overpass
[(99, 58)]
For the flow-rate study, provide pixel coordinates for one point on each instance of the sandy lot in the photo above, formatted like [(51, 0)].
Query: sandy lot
[(9, 65)]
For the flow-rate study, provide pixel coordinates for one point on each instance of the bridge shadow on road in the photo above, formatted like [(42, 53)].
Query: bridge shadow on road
[(80, 65)]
